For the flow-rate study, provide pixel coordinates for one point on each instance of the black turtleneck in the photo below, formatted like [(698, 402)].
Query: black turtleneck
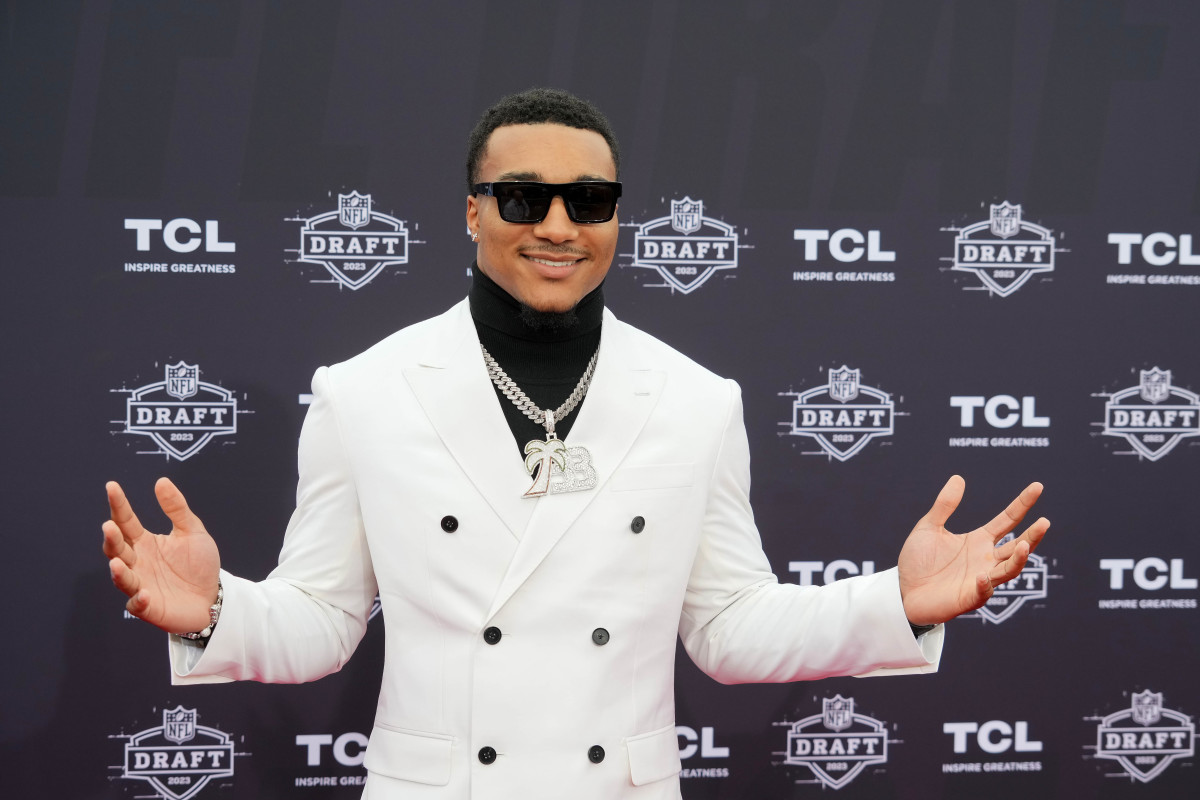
[(545, 356)]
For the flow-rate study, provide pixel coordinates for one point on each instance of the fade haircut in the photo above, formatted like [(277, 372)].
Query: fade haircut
[(531, 107)]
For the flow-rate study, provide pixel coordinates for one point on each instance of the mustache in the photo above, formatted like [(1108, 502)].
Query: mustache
[(557, 249)]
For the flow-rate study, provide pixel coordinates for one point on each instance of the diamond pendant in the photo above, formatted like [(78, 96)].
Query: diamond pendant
[(556, 468)]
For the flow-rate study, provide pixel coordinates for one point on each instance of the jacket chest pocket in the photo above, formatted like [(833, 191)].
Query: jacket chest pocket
[(652, 476)]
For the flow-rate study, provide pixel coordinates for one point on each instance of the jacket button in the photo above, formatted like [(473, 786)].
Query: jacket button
[(595, 754), (638, 525), (491, 635), (600, 636), (449, 524), (487, 755)]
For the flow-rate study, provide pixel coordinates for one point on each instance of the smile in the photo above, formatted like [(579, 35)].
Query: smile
[(550, 263)]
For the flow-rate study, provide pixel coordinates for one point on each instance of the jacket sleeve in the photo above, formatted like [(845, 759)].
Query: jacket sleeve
[(740, 625), (305, 620)]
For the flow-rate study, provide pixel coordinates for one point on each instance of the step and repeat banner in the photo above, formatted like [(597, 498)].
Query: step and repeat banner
[(926, 238)]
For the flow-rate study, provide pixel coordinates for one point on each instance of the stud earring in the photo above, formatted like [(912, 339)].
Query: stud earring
[(474, 237)]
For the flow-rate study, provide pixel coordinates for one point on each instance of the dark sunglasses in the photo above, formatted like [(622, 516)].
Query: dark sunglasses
[(528, 201)]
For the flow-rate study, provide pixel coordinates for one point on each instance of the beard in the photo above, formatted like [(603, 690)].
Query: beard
[(548, 320)]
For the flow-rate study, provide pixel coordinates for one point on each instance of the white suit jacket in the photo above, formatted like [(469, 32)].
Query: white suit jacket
[(530, 642)]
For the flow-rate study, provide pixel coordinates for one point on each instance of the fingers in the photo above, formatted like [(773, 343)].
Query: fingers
[(1008, 568), (947, 501), (175, 507), (125, 579), (115, 545), (1011, 516), (1034, 533), (983, 589), (138, 605), (122, 513)]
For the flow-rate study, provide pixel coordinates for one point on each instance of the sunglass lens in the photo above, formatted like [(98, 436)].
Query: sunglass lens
[(588, 203), (523, 202)]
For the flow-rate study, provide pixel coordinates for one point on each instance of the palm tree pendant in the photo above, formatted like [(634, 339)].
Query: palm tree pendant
[(556, 468)]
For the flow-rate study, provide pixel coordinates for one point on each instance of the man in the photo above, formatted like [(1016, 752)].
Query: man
[(532, 611)]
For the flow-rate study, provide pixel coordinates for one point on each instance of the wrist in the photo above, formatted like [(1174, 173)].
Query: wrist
[(214, 613), (920, 630)]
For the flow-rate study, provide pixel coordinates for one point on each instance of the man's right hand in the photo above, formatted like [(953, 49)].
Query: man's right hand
[(171, 580)]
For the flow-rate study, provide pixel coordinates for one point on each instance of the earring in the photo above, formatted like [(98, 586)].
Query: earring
[(474, 237)]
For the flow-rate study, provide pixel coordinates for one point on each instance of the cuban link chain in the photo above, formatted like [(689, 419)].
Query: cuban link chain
[(553, 466)]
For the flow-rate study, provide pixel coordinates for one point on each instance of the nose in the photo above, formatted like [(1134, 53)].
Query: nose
[(557, 226)]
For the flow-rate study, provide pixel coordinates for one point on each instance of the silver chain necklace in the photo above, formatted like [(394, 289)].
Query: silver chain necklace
[(509, 388), (554, 467)]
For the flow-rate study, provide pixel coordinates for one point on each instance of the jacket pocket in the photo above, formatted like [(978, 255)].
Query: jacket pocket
[(410, 755), (653, 756), (651, 476)]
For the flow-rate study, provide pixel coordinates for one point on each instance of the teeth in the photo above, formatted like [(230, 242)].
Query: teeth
[(551, 263)]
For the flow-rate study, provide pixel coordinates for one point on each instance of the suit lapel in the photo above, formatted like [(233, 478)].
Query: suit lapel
[(623, 393), (452, 386)]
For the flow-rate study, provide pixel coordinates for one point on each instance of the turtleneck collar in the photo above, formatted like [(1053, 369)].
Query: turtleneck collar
[(494, 308), (546, 362)]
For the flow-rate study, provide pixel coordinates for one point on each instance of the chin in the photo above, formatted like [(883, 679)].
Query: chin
[(550, 305), (550, 308)]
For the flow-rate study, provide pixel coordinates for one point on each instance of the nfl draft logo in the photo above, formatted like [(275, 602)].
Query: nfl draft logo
[(837, 744), (830, 414), (1003, 251), (1146, 737), (1029, 585), (183, 380), (1152, 416), (179, 757), (354, 243), (687, 248), (354, 210), (180, 413)]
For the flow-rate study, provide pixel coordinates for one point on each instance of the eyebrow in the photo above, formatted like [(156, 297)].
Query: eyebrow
[(537, 177)]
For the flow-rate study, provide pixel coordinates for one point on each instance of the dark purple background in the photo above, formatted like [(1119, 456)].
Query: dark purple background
[(906, 118)]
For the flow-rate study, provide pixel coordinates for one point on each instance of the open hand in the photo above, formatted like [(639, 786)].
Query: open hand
[(171, 580), (943, 574)]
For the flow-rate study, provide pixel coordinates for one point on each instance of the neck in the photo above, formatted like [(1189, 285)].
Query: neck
[(496, 309), (544, 353)]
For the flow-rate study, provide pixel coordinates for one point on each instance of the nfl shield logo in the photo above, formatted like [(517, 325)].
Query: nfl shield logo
[(1006, 219), (354, 209), (843, 384), (1147, 707), (838, 713), (183, 380), (179, 724), (686, 215), (1156, 385)]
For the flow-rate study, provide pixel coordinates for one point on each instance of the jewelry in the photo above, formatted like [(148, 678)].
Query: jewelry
[(214, 613), (554, 467), (474, 237)]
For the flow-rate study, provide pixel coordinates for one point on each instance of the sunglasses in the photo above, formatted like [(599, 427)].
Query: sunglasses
[(529, 202)]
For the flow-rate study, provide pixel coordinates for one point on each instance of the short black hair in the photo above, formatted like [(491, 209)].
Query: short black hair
[(531, 107)]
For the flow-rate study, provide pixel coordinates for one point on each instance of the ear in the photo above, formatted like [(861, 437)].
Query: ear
[(473, 212)]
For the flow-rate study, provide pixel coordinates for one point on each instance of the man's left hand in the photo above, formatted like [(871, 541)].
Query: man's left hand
[(943, 574)]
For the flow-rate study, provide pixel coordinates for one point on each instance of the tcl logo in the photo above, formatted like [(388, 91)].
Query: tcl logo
[(181, 235), (1001, 411), (1150, 574), (845, 245), (705, 748), (1157, 249), (349, 749), (993, 736), (830, 572)]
